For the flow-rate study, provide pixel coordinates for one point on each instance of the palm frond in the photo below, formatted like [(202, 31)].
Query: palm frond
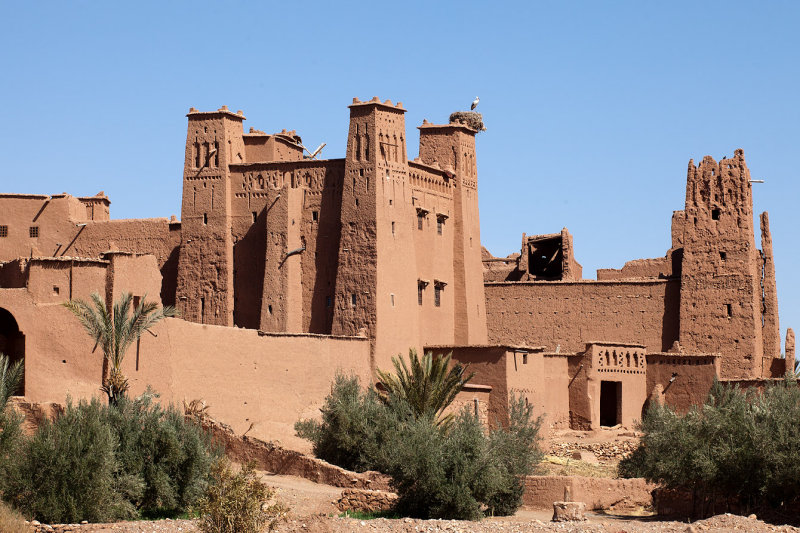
[(10, 378), (429, 385)]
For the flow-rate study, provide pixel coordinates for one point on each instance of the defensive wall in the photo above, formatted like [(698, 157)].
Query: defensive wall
[(256, 382)]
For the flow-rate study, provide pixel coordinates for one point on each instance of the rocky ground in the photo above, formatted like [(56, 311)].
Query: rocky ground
[(524, 521)]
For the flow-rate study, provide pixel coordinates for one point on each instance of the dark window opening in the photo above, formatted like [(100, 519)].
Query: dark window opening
[(439, 224), (610, 403), (55, 290), (269, 309), (356, 202), (353, 299), (315, 215), (524, 359), (136, 301), (729, 310), (437, 296), (216, 154), (392, 227), (205, 218), (34, 231), (255, 216), (723, 256), (420, 218), (391, 297), (3, 231), (715, 214), (202, 310), (420, 288), (546, 258)]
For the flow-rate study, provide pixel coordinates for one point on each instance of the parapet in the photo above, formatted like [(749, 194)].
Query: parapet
[(377, 102), (222, 111)]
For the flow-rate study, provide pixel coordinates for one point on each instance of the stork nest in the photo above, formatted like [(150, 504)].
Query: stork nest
[(470, 119)]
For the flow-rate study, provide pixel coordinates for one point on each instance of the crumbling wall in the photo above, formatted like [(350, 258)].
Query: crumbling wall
[(769, 309), (721, 294)]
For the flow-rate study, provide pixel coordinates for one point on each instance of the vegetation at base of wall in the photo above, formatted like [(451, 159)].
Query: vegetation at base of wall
[(11, 521), (741, 446), (100, 463), (452, 471), (237, 502)]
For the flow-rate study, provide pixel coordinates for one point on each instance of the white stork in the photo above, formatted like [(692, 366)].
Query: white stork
[(475, 103)]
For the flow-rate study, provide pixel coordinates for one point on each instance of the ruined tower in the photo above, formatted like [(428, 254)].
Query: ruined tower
[(205, 265), (376, 284), (721, 294)]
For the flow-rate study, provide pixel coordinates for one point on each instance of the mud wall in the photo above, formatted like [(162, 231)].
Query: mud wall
[(569, 314)]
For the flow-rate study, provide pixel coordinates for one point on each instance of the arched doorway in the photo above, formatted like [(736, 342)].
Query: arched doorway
[(12, 341)]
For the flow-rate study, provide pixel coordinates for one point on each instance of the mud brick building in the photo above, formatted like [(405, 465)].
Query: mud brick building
[(287, 269)]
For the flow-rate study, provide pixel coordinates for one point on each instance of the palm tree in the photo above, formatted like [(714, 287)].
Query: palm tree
[(114, 330), (429, 386), (10, 378)]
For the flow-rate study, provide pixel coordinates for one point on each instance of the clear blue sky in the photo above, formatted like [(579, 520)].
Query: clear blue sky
[(593, 108)]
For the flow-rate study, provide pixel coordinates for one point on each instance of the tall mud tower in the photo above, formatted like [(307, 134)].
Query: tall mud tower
[(721, 275), (452, 148), (376, 282), (205, 266)]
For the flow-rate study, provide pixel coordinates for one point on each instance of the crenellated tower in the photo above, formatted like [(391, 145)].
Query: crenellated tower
[(721, 294), (376, 283), (205, 265), (452, 148)]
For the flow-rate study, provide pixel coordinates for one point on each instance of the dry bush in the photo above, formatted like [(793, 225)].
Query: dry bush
[(11, 521), (238, 502)]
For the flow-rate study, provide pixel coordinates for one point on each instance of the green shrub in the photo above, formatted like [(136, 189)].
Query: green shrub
[(237, 502), (171, 457), (350, 430), (740, 445), (99, 462), (453, 470), (67, 471), (461, 473)]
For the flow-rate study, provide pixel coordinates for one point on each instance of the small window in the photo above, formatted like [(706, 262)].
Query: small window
[(723, 256), (391, 298), (524, 359), (729, 310), (55, 290), (715, 214), (205, 218), (420, 288), (255, 216), (269, 309), (315, 215), (392, 227), (136, 301), (34, 231), (437, 296), (439, 224), (353, 299), (420, 218), (3, 231)]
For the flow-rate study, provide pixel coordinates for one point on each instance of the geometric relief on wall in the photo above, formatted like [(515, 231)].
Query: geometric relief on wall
[(621, 361)]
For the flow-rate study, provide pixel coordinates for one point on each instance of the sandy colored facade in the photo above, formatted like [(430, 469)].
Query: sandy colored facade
[(287, 269)]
